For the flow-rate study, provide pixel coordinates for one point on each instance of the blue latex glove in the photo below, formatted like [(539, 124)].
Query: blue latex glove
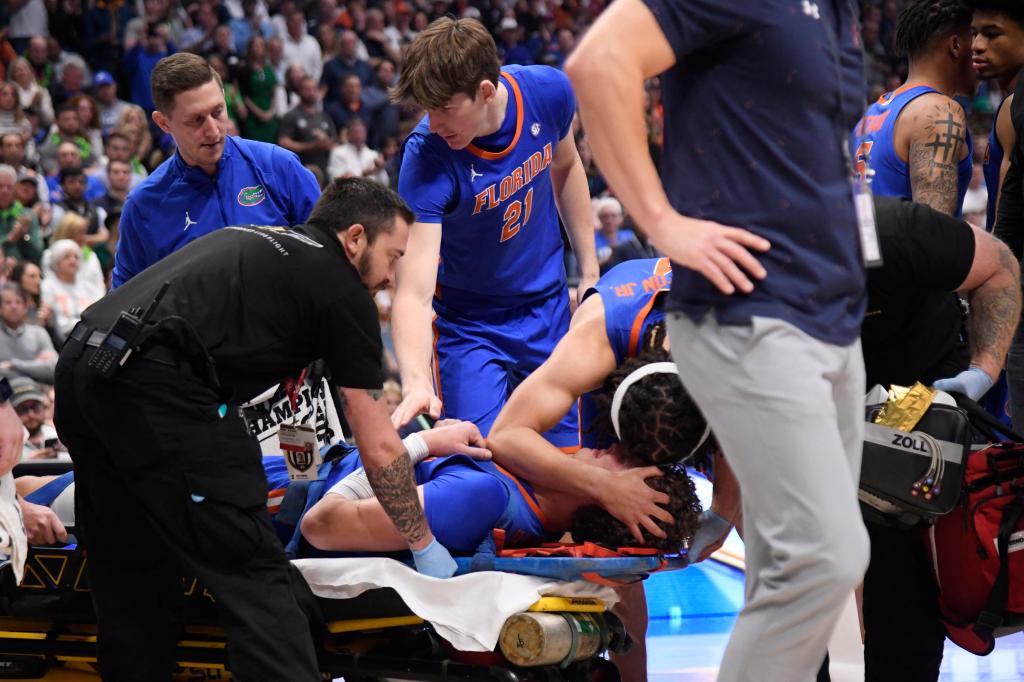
[(971, 382), (712, 528), (434, 560)]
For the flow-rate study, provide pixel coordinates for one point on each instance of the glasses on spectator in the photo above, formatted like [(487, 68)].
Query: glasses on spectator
[(31, 406)]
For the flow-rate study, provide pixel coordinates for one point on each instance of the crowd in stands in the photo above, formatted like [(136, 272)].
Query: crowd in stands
[(309, 75)]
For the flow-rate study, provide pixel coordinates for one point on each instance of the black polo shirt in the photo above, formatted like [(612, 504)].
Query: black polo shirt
[(265, 302), (913, 328)]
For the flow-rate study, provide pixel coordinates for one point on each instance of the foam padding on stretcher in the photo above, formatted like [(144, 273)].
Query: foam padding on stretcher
[(570, 568)]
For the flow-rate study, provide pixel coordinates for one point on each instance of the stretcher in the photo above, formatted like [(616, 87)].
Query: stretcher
[(555, 625)]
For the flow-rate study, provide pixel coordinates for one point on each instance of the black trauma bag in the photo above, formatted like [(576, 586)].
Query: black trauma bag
[(913, 478)]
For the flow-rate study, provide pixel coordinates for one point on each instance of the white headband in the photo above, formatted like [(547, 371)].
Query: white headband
[(633, 377)]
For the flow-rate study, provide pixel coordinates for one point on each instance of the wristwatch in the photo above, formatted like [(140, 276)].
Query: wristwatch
[(5, 390)]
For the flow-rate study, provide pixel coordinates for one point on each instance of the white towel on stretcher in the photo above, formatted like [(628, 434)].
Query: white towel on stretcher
[(467, 610), (13, 542)]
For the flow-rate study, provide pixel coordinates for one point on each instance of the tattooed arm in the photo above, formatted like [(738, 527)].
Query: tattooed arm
[(387, 465), (993, 288), (937, 133)]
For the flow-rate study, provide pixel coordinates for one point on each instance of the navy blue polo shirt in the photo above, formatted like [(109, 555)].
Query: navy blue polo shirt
[(757, 108)]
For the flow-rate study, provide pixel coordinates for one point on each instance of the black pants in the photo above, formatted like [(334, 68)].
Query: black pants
[(165, 487), (903, 634)]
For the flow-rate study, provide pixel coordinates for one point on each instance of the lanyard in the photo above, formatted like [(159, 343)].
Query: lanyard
[(292, 387)]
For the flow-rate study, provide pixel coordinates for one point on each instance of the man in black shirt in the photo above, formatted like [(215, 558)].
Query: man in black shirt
[(308, 131), (1010, 228), (169, 479), (912, 332)]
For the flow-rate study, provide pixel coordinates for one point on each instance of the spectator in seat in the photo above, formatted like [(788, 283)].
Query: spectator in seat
[(30, 402), (354, 159), (350, 105), (301, 48), (25, 349), (258, 84), (104, 89), (30, 93), (73, 183), (64, 290), (347, 62), (19, 228), (29, 277), (69, 157), (308, 131), (69, 129)]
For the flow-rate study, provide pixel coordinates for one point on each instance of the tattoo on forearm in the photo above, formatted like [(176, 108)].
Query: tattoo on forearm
[(994, 314), (934, 159), (396, 492)]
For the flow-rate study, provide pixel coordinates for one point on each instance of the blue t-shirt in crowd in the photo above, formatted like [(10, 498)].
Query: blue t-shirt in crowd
[(500, 238), (993, 163), (139, 63), (757, 109), (872, 147), (255, 184)]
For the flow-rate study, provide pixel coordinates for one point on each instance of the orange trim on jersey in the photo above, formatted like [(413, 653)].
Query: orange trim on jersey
[(663, 266), (494, 156), (889, 96), (569, 449), (660, 268), (534, 507), (437, 365)]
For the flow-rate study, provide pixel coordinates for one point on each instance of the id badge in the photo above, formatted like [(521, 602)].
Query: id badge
[(870, 247), (301, 454)]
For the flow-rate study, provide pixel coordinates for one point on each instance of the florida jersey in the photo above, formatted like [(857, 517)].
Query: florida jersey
[(871, 147), (630, 293), (494, 199)]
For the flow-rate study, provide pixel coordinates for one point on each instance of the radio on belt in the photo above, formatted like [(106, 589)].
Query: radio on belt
[(118, 344)]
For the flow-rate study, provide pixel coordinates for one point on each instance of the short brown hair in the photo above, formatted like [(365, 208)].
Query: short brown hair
[(448, 57), (178, 73), (350, 201)]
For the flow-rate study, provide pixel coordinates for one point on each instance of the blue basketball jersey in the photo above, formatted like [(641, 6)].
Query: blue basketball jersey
[(993, 162), (500, 243), (871, 146), (629, 292)]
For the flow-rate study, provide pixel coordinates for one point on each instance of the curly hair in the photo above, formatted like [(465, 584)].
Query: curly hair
[(1011, 8), (659, 422), (923, 21), (594, 524)]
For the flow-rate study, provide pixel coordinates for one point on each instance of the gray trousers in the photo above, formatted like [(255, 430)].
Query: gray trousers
[(788, 411)]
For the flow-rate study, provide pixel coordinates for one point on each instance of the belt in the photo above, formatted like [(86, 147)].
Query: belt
[(86, 336)]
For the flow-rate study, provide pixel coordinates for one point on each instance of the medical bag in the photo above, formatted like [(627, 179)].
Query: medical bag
[(910, 478), (976, 550)]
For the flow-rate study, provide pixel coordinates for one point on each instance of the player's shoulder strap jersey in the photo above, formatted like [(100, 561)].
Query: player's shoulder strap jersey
[(630, 293), (495, 198), (871, 147), (994, 154)]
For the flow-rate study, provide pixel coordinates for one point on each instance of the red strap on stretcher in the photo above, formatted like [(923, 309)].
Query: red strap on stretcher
[(586, 550)]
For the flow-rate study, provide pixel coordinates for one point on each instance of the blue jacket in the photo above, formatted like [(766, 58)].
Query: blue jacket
[(256, 184)]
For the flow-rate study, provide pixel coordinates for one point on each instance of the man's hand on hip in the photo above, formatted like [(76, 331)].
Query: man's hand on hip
[(718, 252)]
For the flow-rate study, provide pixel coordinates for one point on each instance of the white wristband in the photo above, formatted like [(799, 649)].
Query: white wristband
[(416, 447)]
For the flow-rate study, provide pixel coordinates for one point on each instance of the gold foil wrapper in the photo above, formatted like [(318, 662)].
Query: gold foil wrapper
[(905, 406)]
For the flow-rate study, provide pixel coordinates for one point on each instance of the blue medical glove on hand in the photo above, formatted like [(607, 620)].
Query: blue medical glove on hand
[(973, 383), (434, 560), (713, 529)]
